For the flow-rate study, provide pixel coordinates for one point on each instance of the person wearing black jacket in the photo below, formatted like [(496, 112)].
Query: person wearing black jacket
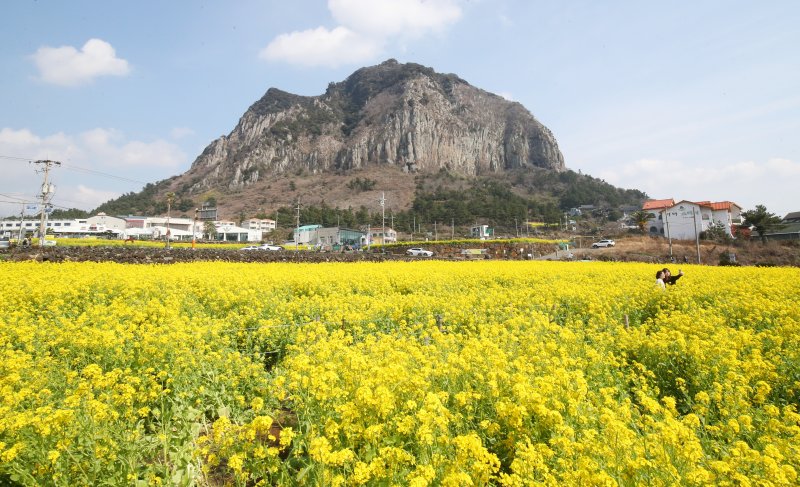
[(669, 278)]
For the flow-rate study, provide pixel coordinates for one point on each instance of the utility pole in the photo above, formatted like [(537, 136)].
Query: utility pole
[(194, 227), (669, 238), (170, 198), (47, 194), (435, 232), (383, 220), (297, 236), (696, 234), (413, 226), (452, 229), (21, 226)]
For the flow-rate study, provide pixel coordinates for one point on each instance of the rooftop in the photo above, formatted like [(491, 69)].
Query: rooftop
[(658, 204)]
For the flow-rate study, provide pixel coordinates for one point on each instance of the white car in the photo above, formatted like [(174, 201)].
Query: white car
[(419, 252), (268, 247), (603, 243)]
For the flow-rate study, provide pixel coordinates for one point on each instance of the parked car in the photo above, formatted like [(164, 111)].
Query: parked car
[(603, 243), (419, 252), (267, 247)]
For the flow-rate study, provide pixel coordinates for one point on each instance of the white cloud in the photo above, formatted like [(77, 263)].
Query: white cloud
[(384, 18), (104, 150), (322, 47), (364, 28), (508, 96), (109, 145), (746, 183), (66, 66), (90, 197), (181, 132), (505, 20), (784, 167)]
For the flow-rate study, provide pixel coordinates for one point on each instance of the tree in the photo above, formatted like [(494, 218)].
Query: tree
[(716, 231), (69, 214), (210, 230), (761, 220), (640, 218)]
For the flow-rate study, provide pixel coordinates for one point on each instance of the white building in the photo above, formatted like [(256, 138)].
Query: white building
[(262, 225), (176, 223), (306, 234), (102, 222), (685, 220), (232, 233), (377, 237), (99, 225)]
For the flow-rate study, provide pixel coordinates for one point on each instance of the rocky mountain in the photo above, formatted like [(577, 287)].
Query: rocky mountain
[(406, 116), (429, 145)]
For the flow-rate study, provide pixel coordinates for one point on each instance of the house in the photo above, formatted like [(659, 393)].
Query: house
[(793, 217), (685, 220), (264, 225), (481, 231), (334, 237), (306, 234), (377, 237), (789, 230)]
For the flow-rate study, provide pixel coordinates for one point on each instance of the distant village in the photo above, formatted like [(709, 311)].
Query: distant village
[(678, 220)]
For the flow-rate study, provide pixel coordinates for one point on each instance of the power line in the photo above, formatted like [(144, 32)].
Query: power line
[(100, 173), (19, 200), (75, 168), (26, 159)]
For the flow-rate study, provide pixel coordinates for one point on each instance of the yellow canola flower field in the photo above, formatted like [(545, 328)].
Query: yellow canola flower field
[(400, 373)]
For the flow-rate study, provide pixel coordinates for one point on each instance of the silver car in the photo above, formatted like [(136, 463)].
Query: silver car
[(603, 243)]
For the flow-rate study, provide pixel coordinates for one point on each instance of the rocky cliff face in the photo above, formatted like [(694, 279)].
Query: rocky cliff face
[(400, 114)]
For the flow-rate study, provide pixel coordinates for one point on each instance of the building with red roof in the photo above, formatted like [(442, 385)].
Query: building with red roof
[(685, 220)]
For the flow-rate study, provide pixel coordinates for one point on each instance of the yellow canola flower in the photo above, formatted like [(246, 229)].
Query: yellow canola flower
[(423, 373)]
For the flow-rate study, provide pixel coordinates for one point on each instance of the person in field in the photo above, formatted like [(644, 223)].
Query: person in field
[(669, 278), (660, 280)]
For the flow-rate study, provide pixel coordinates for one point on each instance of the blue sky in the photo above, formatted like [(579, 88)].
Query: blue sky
[(691, 100)]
